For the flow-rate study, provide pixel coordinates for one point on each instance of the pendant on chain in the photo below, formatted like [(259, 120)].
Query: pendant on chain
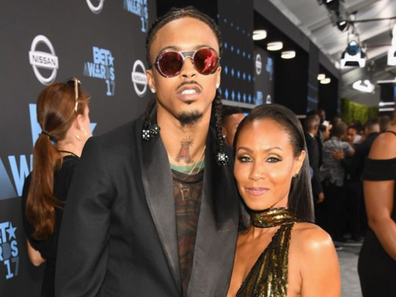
[(184, 191)]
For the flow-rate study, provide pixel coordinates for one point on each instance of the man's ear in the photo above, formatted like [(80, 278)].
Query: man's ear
[(218, 78), (224, 131), (150, 80)]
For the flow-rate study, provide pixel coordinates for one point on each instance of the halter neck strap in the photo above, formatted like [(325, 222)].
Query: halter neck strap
[(272, 217)]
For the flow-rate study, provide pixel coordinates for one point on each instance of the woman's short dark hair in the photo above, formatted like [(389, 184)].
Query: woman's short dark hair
[(300, 201)]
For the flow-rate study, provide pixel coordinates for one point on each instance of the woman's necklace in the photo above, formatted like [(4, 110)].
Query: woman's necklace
[(70, 153), (272, 217)]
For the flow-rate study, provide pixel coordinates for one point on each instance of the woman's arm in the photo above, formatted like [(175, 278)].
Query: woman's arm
[(34, 256), (379, 195), (318, 264)]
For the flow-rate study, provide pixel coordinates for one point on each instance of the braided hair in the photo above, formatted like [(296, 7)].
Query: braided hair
[(150, 130), (217, 111)]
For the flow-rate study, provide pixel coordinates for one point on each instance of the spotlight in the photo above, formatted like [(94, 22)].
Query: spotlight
[(332, 4), (353, 55), (342, 25), (259, 34), (321, 76), (275, 46)]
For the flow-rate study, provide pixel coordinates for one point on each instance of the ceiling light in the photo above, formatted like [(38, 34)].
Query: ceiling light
[(321, 76), (386, 109), (259, 34), (386, 106), (363, 86), (386, 103), (275, 46), (325, 81), (353, 55), (387, 81), (288, 54)]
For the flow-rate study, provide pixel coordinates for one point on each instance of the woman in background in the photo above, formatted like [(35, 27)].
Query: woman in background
[(377, 259), (63, 115), (280, 252)]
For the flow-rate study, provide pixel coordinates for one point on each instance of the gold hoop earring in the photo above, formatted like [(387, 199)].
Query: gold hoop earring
[(80, 138)]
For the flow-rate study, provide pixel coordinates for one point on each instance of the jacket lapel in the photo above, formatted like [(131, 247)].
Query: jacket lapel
[(158, 186), (217, 229)]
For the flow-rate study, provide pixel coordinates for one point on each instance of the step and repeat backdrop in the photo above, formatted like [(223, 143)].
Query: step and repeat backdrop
[(45, 41)]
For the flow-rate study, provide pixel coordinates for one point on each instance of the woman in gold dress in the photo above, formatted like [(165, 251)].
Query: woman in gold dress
[(280, 251)]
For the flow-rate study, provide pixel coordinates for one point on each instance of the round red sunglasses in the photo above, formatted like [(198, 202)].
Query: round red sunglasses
[(169, 63)]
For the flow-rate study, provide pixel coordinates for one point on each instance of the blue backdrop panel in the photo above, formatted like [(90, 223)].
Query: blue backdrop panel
[(237, 62)]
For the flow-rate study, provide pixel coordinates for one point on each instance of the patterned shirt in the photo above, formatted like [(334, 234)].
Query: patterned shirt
[(188, 197), (331, 169)]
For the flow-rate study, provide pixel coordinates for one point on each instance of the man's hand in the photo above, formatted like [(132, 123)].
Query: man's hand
[(338, 155)]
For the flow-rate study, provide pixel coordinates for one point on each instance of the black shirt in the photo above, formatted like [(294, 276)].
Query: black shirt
[(47, 248)]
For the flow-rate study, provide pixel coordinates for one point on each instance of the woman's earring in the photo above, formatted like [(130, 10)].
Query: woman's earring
[(152, 90), (80, 137), (217, 85)]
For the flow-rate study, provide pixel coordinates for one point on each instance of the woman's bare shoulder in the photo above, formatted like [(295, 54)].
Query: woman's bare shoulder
[(384, 146), (311, 238)]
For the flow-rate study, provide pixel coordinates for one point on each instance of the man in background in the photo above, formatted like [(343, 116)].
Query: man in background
[(311, 127), (232, 116), (333, 178)]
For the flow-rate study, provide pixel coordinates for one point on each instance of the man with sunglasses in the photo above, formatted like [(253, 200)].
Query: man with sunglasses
[(153, 208)]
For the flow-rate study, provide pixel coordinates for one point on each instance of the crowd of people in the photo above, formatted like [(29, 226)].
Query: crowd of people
[(337, 163), (354, 194), (193, 199)]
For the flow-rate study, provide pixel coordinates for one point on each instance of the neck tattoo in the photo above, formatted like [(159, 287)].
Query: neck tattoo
[(184, 153)]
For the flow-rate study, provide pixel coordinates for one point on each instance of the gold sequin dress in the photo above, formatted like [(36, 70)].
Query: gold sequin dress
[(268, 276)]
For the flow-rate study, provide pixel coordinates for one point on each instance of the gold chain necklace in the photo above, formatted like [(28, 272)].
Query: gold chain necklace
[(184, 189), (195, 165)]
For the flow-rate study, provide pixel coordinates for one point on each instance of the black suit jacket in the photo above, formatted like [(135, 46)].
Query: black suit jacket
[(314, 161), (118, 235)]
